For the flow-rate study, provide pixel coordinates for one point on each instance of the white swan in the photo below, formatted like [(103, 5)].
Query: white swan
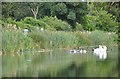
[(97, 50), (84, 51), (101, 52), (81, 51)]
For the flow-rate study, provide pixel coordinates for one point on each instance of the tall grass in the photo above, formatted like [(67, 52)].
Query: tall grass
[(58, 39), (40, 39), (101, 37), (13, 41), (83, 39)]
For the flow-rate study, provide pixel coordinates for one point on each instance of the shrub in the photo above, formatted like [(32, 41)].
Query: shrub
[(106, 21), (9, 20), (33, 22), (101, 20), (78, 27), (71, 15), (59, 25), (22, 25), (90, 22), (49, 23), (8, 23)]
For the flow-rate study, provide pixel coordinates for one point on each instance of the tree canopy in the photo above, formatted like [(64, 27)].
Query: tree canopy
[(91, 15)]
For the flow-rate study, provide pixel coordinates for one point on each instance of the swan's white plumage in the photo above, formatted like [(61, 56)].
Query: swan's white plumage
[(101, 52), (84, 51), (81, 51)]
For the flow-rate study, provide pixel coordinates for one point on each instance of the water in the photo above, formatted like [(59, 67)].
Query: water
[(60, 63)]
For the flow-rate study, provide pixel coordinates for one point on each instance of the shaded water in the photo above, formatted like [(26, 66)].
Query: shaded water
[(60, 63)]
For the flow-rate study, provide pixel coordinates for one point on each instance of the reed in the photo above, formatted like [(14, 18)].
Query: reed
[(14, 41)]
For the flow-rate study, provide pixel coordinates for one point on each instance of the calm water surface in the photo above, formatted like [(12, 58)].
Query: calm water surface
[(60, 63)]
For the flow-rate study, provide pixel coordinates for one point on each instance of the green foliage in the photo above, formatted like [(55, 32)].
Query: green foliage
[(106, 21), (31, 21), (7, 9), (112, 8), (78, 27), (71, 15), (55, 23), (59, 8), (49, 23), (90, 22), (7, 21), (22, 25), (91, 15), (2, 22), (101, 20)]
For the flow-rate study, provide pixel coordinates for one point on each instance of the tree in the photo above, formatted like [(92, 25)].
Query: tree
[(71, 12), (7, 9), (35, 12), (98, 18)]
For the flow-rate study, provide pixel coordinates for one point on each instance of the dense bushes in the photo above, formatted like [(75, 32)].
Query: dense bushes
[(79, 27), (101, 20), (95, 21), (57, 24), (49, 23)]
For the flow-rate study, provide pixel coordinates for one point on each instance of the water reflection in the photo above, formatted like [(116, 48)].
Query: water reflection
[(60, 63)]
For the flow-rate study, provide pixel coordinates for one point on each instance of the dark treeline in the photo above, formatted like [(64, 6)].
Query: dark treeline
[(90, 15)]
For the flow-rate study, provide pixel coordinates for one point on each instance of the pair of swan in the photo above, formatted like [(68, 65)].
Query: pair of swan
[(101, 52), (82, 51)]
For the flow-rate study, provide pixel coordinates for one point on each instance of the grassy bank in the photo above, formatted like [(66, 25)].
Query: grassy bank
[(14, 41)]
